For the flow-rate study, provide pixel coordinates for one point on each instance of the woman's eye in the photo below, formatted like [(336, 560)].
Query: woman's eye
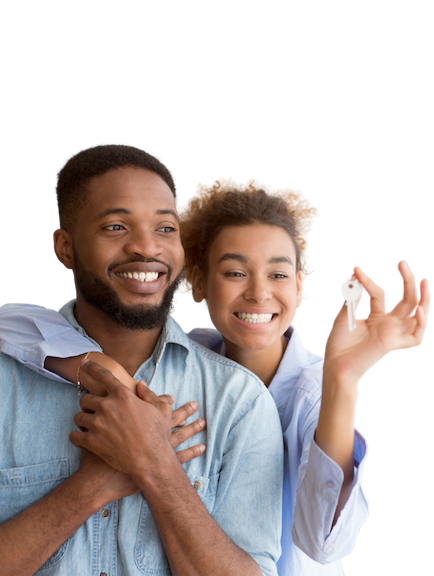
[(234, 274), (278, 276)]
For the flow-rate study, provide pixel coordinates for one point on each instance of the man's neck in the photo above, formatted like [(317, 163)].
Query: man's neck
[(128, 347)]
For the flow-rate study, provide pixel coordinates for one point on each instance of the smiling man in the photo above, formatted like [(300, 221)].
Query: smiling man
[(113, 498)]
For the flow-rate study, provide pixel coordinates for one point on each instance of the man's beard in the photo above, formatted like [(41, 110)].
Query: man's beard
[(133, 317)]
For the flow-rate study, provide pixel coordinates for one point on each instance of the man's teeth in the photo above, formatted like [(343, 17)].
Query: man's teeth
[(142, 276), (254, 318)]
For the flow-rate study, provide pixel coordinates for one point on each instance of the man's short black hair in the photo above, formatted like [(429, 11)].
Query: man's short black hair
[(72, 180)]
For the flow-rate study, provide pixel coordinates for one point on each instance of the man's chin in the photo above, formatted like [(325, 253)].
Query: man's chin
[(139, 316)]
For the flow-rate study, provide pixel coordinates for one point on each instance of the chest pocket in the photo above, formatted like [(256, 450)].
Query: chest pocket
[(21, 487), (149, 554)]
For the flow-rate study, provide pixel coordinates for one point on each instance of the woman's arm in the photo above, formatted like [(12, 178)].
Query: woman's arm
[(350, 354), (69, 369)]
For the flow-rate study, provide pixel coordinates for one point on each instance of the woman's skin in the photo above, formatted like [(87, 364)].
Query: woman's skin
[(252, 269)]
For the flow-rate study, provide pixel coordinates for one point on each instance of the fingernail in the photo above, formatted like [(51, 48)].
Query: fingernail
[(201, 448), (173, 397), (201, 422), (143, 382), (194, 405), (84, 361)]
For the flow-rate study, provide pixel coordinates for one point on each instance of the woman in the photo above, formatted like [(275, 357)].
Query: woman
[(245, 257)]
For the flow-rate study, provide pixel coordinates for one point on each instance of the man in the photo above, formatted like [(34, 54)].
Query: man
[(129, 507)]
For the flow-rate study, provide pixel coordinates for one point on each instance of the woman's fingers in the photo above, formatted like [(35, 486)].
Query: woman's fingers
[(409, 301), (374, 291)]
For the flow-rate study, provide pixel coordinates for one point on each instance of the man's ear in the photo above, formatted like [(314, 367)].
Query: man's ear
[(197, 285), (63, 247)]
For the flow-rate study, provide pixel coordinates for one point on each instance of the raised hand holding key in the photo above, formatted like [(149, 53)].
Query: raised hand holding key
[(351, 355)]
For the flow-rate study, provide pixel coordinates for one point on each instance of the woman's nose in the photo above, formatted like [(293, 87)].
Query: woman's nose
[(258, 290)]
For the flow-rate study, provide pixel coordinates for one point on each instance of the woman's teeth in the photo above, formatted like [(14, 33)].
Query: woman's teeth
[(254, 318), (142, 276)]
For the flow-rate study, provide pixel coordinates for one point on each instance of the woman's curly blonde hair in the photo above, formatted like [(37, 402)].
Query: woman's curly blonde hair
[(227, 203)]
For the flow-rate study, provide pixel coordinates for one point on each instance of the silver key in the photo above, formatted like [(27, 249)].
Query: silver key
[(351, 291)]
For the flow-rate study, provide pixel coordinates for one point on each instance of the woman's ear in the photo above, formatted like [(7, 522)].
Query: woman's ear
[(63, 247), (197, 285), (300, 279)]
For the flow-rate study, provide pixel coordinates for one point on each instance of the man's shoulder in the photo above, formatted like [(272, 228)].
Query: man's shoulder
[(223, 377)]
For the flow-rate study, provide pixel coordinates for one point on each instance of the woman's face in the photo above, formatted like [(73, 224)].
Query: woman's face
[(252, 288)]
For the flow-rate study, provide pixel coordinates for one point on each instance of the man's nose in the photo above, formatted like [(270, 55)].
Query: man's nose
[(143, 243)]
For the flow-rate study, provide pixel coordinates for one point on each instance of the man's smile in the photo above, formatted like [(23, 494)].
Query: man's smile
[(140, 276)]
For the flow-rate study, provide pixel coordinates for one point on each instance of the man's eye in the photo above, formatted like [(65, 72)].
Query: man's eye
[(114, 227), (166, 229)]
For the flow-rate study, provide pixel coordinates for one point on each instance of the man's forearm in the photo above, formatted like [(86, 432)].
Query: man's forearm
[(29, 539), (195, 545)]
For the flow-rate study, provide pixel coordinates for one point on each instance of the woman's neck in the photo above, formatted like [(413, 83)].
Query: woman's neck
[(263, 363)]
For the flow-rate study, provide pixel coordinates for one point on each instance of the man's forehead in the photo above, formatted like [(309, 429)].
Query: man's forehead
[(127, 184)]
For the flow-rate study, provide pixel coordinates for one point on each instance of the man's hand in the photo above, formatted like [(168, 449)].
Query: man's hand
[(90, 380), (350, 354), (182, 432), (109, 484), (129, 434)]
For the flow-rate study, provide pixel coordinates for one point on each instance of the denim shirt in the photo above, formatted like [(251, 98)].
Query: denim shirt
[(238, 478)]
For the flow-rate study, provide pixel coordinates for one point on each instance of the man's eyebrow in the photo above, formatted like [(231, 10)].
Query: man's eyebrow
[(245, 260), (110, 211), (172, 212)]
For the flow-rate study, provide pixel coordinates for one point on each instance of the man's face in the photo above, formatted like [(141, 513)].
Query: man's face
[(127, 249)]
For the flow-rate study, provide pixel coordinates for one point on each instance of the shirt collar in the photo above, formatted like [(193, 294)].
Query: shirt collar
[(172, 332)]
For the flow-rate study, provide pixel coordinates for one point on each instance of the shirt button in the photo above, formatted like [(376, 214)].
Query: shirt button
[(198, 484), (105, 513)]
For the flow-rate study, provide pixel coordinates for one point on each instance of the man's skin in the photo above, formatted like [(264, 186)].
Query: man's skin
[(127, 443)]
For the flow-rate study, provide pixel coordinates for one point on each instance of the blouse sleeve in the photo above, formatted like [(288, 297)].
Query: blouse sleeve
[(30, 333)]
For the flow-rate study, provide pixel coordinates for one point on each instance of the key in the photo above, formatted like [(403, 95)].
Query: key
[(351, 291)]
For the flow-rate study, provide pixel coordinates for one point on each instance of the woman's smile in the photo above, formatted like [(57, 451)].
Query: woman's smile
[(252, 288)]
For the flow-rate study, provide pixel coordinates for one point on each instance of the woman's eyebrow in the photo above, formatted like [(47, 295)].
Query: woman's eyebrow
[(233, 256), (279, 259), (245, 260)]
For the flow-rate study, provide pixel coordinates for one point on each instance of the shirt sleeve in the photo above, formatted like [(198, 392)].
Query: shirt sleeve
[(30, 333), (248, 504), (319, 486)]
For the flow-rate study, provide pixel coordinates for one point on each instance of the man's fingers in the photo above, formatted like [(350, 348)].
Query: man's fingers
[(180, 435), (190, 453), (180, 415), (102, 375), (409, 300)]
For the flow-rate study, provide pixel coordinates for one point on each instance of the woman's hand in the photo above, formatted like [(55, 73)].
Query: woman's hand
[(350, 354)]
